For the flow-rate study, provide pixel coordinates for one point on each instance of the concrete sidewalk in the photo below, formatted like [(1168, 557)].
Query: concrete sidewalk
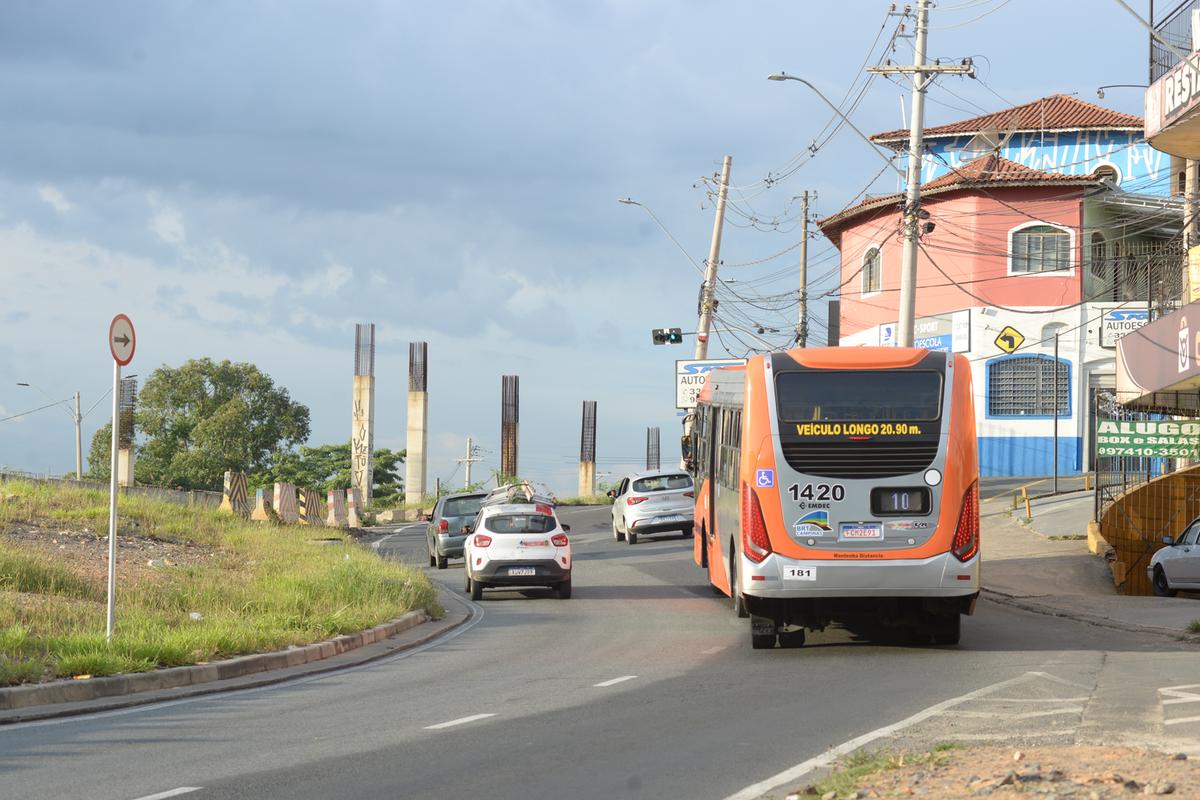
[(1026, 564)]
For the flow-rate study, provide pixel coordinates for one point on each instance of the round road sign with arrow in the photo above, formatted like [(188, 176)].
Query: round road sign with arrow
[(121, 339)]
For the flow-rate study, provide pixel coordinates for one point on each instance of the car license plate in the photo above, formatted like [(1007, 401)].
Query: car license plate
[(799, 573), (519, 572), (534, 543), (857, 531), (669, 518)]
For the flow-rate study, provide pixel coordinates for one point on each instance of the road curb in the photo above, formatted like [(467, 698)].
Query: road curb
[(46, 696), (1024, 604)]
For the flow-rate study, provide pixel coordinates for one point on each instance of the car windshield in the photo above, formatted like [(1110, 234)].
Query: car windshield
[(519, 523), (660, 483), (462, 506)]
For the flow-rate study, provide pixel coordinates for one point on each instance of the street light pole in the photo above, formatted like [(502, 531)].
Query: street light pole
[(76, 416)]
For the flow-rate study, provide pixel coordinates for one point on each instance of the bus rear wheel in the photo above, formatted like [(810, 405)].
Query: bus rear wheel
[(739, 602), (792, 638)]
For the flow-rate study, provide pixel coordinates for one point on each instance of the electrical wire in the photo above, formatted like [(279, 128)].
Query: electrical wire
[(33, 411)]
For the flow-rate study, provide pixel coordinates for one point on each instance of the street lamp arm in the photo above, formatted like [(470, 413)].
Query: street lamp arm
[(783, 76), (629, 202)]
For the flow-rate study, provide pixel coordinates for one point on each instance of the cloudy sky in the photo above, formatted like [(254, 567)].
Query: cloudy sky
[(247, 180)]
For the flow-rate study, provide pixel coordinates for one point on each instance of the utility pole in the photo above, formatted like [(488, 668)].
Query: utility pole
[(922, 75), (708, 293), (469, 460), (802, 326), (78, 441)]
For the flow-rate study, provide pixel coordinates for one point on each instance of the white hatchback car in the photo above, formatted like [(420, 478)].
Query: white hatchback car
[(1177, 566), (517, 544), (653, 502)]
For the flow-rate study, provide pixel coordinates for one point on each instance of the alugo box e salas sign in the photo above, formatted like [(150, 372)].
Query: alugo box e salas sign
[(1148, 438)]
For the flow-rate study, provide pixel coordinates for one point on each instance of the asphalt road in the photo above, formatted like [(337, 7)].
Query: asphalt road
[(642, 685)]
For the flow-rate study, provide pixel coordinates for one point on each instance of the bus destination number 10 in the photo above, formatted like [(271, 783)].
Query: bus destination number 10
[(821, 492)]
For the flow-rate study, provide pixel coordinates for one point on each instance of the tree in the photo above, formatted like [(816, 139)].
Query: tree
[(205, 417), (100, 456), (328, 467)]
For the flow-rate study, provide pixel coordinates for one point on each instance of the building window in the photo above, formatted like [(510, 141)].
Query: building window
[(1024, 386), (871, 271), (1040, 248)]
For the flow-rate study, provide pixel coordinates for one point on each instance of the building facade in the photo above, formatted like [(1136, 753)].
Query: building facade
[(1028, 264)]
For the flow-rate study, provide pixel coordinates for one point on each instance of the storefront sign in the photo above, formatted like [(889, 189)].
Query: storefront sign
[(1120, 321), (1172, 95), (947, 333), (1147, 438)]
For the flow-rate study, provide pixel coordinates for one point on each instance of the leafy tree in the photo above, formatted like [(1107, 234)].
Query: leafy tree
[(206, 417), (328, 467), (100, 456)]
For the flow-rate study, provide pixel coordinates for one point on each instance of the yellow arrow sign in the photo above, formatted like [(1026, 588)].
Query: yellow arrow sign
[(1009, 339)]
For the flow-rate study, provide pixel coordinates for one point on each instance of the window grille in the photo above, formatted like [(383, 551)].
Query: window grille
[(871, 271), (1024, 387), (1041, 248)]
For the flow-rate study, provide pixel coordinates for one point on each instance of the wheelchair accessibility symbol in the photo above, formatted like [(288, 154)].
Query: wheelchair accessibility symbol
[(764, 479)]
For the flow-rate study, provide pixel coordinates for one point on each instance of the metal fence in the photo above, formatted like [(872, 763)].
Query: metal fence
[(184, 497), (1138, 501), (1174, 24)]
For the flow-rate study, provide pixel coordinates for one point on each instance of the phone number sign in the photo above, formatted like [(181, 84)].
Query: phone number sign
[(1154, 438), (691, 375)]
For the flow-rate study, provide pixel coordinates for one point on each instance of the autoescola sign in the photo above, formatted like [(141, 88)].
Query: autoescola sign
[(691, 375)]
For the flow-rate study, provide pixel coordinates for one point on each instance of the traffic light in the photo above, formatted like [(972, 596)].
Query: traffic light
[(667, 335)]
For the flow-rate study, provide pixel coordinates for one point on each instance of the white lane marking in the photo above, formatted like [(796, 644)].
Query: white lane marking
[(712, 650), (1179, 694), (171, 793), (829, 756), (459, 721), (614, 681), (1181, 721), (1034, 699)]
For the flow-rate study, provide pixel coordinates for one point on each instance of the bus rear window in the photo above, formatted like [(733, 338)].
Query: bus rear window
[(859, 395)]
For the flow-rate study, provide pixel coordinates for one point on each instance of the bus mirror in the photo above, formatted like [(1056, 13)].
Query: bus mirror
[(685, 447)]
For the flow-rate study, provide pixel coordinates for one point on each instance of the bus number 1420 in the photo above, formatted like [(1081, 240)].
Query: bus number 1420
[(819, 491)]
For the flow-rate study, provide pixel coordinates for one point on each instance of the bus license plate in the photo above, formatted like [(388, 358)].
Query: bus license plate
[(521, 572), (799, 573), (857, 531)]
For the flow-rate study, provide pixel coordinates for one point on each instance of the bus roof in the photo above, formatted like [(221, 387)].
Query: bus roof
[(705, 395), (858, 357)]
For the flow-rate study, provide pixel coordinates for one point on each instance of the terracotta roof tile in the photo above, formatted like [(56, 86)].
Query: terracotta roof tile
[(986, 172), (1055, 113)]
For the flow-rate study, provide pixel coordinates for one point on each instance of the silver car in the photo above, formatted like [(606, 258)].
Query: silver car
[(1177, 566), (444, 534), (653, 502)]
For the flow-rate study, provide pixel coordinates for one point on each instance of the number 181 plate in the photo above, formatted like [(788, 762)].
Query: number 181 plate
[(799, 573)]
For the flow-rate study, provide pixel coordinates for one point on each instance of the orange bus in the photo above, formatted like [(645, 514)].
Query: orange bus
[(840, 485)]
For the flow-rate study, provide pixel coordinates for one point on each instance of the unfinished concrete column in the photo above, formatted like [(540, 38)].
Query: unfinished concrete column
[(418, 422), (510, 418), (653, 449), (587, 450), (362, 436)]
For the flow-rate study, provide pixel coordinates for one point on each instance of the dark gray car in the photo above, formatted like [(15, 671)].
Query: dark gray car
[(444, 534)]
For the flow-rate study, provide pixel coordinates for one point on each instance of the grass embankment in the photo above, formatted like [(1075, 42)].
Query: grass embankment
[(193, 585), (592, 500)]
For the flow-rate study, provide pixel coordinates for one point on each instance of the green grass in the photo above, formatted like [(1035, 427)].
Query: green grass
[(849, 772), (593, 500), (1194, 626), (262, 588)]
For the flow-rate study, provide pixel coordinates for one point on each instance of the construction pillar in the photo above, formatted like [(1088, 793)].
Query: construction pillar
[(362, 432), (587, 450), (653, 449), (418, 422), (510, 417)]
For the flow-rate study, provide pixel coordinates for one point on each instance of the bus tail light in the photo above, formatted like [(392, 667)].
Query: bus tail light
[(482, 540), (755, 542), (633, 501), (966, 535), (559, 540)]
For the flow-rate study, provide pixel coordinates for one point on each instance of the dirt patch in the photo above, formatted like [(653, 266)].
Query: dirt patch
[(1080, 771), (85, 551)]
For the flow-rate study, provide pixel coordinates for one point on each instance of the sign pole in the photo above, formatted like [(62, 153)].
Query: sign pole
[(122, 341), (112, 502)]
